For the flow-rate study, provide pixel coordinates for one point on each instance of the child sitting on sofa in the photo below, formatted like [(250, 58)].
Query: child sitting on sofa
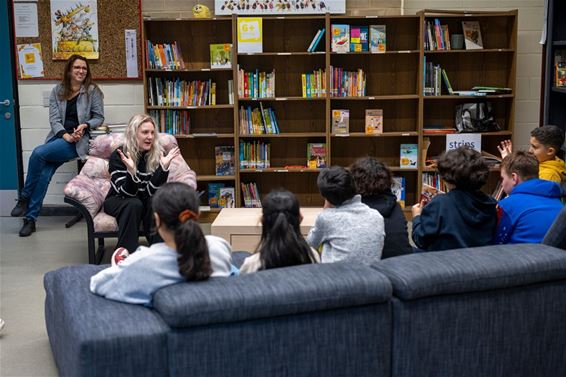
[(545, 142), (185, 254), (282, 243), (373, 182), (463, 217), (347, 229), (532, 205)]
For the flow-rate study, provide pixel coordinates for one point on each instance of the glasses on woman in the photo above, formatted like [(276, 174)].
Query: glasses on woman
[(80, 68)]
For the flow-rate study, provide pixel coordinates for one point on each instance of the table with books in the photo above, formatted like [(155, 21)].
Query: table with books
[(241, 227)]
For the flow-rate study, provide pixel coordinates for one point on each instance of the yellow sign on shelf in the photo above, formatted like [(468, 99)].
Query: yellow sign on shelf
[(250, 34)]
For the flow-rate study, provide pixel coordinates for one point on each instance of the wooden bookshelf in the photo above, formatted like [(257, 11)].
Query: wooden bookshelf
[(394, 84)]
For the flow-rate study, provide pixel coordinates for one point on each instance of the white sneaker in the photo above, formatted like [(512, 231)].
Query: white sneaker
[(118, 256)]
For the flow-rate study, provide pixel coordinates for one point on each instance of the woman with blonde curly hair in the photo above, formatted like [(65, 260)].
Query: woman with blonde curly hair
[(137, 169)]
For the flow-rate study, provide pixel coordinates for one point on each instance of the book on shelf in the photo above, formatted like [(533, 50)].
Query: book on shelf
[(347, 83), (398, 189), (165, 56), (359, 38), (434, 129), (255, 155), (224, 160), (472, 35), (374, 121), (492, 89), (230, 92), (250, 194), (314, 84), (214, 194), (378, 41), (472, 93), (226, 197), (447, 82), (340, 38), (340, 122), (256, 84), (316, 155), (408, 156), (221, 55), (316, 40), (560, 74)]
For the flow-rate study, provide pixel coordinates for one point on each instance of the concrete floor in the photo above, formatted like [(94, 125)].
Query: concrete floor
[(24, 346)]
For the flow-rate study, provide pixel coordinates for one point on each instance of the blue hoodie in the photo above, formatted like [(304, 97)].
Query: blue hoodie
[(528, 212)]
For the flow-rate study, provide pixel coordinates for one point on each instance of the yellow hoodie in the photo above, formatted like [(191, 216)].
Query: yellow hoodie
[(552, 170)]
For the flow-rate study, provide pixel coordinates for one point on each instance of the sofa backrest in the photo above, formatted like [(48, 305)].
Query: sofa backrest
[(490, 311), (312, 320)]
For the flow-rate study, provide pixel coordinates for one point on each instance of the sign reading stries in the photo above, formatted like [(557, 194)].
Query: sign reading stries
[(454, 141), (278, 7)]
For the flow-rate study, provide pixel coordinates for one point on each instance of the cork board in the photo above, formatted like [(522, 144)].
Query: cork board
[(114, 17)]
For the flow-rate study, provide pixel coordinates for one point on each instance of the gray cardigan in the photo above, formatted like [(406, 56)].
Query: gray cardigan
[(90, 110)]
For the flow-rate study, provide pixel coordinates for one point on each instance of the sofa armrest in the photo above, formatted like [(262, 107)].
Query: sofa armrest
[(271, 293), (89, 333), (474, 269)]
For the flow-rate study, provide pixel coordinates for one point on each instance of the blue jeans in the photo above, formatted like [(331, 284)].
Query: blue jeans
[(44, 161)]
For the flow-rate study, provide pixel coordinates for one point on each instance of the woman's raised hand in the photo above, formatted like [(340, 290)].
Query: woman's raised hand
[(505, 148), (127, 160), (166, 159)]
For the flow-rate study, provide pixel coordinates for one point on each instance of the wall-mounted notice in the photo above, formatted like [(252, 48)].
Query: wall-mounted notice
[(25, 18), (131, 53)]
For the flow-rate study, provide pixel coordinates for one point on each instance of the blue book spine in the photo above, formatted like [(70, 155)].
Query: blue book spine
[(317, 41)]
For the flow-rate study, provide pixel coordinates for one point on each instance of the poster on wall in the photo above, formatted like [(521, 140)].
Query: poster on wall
[(278, 7), (30, 60), (74, 28)]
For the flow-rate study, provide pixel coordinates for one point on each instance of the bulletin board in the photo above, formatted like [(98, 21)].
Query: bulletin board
[(114, 17)]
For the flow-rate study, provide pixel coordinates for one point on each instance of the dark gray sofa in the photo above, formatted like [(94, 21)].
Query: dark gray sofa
[(494, 311)]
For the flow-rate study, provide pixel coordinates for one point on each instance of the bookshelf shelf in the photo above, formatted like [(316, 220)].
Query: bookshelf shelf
[(215, 107), (213, 178), (280, 170), (284, 135), (394, 85), (478, 51)]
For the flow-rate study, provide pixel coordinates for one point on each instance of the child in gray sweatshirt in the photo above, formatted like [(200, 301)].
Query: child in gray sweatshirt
[(347, 229)]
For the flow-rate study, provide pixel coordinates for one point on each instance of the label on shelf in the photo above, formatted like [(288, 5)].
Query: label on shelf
[(281, 99), (283, 53)]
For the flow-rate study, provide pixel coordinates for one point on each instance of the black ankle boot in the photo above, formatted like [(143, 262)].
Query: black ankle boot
[(28, 228), (20, 208)]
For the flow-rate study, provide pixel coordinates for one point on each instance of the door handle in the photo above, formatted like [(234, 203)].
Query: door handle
[(6, 102)]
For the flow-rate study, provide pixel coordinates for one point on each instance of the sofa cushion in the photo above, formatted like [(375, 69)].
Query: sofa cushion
[(270, 293), (104, 222), (91, 185), (474, 269)]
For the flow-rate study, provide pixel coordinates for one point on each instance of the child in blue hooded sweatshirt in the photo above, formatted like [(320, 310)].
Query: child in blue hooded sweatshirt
[(532, 205)]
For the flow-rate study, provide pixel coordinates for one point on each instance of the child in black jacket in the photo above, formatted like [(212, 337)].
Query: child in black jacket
[(465, 216)]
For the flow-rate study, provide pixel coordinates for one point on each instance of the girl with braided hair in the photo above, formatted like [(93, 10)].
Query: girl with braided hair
[(185, 254)]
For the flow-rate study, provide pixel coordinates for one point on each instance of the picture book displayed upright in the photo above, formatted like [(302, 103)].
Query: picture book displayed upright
[(472, 35), (340, 38), (359, 36), (340, 122), (374, 121), (224, 160), (221, 55), (378, 41), (316, 155), (409, 156), (398, 189)]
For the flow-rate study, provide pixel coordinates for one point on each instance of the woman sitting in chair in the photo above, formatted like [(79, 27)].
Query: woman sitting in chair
[(75, 106), (137, 169)]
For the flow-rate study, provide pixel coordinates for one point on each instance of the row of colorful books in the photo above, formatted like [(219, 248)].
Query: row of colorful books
[(164, 56), (436, 36), (251, 196), (346, 38), (373, 121), (314, 84), (258, 121), (347, 83), (256, 84), (173, 122), (255, 155), (165, 92)]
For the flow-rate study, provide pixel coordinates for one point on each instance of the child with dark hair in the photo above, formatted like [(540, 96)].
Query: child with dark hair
[(282, 243), (546, 142), (373, 181), (465, 216), (347, 229), (185, 254), (532, 205)]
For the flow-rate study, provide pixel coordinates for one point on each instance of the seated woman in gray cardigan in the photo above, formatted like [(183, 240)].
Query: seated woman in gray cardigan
[(75, 106)]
